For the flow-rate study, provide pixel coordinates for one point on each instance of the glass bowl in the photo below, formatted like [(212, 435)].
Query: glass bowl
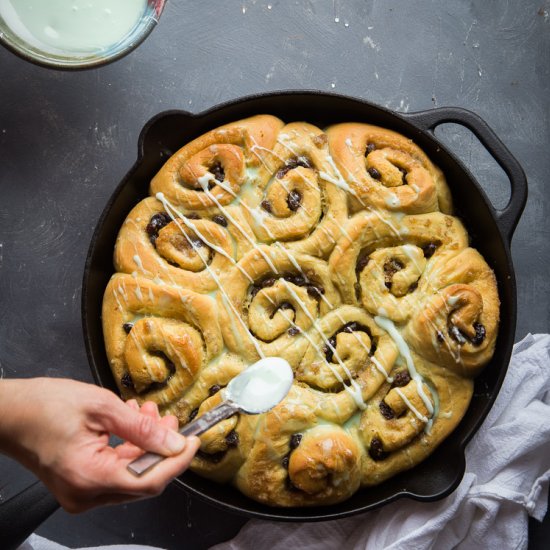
[(84, 60)]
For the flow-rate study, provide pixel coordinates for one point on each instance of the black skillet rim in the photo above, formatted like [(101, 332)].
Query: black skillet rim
[(414, 129)]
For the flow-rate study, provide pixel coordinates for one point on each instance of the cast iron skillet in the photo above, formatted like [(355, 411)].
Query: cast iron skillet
[(490, 230)]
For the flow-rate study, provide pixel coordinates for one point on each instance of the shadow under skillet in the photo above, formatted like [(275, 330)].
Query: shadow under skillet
[(174, 520)]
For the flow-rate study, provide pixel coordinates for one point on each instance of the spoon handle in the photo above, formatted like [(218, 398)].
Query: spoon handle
[(208, 419), (224, 410)]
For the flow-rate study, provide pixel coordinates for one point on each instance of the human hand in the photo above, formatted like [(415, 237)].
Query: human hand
[(60, 430)]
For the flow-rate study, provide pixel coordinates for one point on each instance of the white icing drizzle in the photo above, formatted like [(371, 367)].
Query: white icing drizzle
[(392, 200), (115, 294), (259, 219), (138, 293), (390, 328), (338, 182), (259, 147), (327, 232), (388, 223), (308, 183), (139, 263), (257, 213), (338, 173), (290, 257), (168, 207), (408, 249), (415, 411), (250, 240), (376, 363), (282, 139), (206, 179), (452, 300), (455, 356), (354, 389), (381, 369), (122, 291), (341, 183), (181, 361), (208, 243)]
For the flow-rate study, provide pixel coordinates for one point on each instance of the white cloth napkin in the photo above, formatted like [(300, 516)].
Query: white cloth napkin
[(507, 474), (35, 542)]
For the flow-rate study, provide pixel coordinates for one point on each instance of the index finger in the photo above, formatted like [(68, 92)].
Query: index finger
[(131, 451)]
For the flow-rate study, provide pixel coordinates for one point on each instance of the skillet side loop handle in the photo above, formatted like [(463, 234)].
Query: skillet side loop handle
[(507, 217), (22, 514)]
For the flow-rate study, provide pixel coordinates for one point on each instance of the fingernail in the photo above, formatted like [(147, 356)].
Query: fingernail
[(174, 442)]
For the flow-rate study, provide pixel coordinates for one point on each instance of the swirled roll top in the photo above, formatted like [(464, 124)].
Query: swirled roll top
[(174, 248), (457, 324), (335, 250), (387, 170), (159, 337), (219, 161)]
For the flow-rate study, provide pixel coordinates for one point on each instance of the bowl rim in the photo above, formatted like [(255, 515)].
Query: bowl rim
[(18, 46)]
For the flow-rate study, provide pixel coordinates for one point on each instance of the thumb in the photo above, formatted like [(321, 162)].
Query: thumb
[(142, 430)]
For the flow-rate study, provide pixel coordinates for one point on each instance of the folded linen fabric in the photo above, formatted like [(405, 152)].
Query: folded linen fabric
[(506, 479)]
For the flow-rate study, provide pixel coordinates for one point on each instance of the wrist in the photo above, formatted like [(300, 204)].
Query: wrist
[(14, 413)]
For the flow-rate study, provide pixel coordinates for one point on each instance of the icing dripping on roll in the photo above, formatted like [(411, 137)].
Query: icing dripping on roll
[(388, 325)]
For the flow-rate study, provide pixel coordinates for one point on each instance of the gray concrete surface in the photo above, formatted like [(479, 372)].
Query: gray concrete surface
[(66, 139)]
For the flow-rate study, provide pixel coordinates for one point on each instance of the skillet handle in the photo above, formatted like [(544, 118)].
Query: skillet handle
[(22, 514), (507, 217)]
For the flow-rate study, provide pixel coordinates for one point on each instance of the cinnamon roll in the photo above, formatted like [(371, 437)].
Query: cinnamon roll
[(336, 250)]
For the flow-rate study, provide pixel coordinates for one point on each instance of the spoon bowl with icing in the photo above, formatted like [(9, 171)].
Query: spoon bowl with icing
[(256, 390)]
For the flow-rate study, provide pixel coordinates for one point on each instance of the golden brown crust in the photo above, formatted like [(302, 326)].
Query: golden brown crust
[(304, 209), (145, 323), (237, 146), (407, 181), (336, 250), (405, 440)]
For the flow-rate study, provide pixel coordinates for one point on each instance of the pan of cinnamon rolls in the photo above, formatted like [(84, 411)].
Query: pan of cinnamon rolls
[(340, 236)]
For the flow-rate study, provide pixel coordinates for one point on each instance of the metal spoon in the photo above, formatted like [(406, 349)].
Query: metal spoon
[(256, 390)]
